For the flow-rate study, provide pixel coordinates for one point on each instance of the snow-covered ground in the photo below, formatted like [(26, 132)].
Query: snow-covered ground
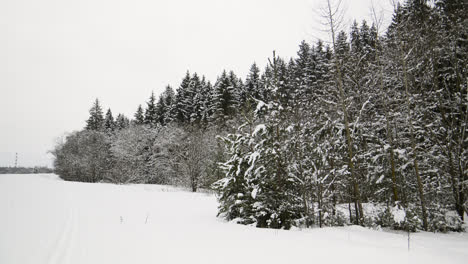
[(46, 220)]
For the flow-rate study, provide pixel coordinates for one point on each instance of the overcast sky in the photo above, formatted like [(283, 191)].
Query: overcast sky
[(57, 56)]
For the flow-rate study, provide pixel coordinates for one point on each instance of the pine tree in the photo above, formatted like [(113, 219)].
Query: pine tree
[(257, 188), (109, 123), (169, 97), (139, 116), (180, 111), (451, 93), (252, 89), (383, 161), (96, 119), (304, 73), (195, 100), (236, 86), (206, 100), (405, 38), (151, 116), (225, 98), (161, 110), (122, 122)]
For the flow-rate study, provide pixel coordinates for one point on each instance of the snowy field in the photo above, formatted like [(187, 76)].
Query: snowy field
[(46, 220)]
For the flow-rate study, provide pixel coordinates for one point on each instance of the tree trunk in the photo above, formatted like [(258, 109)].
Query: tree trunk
[(319, 200), (333, 191), (390, 149), (413, 146), (339, 81)]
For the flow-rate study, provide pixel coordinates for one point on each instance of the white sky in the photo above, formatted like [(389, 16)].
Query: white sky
[(57, 56)]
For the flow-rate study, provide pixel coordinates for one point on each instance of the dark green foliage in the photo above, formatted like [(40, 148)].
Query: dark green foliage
[(225, 97), (96, 118), (139, 117), (252, 89), (164, 106), (181, 103), (151, 115), (122, 122), (25, 170), (109, 123)]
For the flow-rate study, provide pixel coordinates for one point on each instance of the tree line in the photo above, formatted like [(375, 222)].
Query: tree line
[(25, 170), (366, 119)]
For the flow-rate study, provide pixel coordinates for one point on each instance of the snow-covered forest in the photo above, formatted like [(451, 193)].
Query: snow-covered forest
[(366, 120)]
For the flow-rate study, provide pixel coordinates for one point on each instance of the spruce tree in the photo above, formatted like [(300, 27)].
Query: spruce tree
[(206, 94), (109, 123), (252, 89), (122, 122), (151, 112), (169, 98), (139, 116), (160, 111), (180, 111), (194, 102), (258, 188), (225, 97), (304, 74), (96, 118)]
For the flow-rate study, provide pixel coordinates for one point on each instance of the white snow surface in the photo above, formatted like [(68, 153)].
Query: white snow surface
[(399, 214), (46, 220), (259, 128)]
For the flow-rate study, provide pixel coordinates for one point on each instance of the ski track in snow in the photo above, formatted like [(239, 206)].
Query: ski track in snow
[(62, 250), (46, 220)]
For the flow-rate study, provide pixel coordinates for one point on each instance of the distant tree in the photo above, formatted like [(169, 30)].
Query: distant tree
[(167, 148), (180, 111), (169, 99), (151, 116), (206, 100), (194, 101), (83, 156), (252, 87), (225, 97), (109, 123), (304, 74), (122, 122), (161, 110), (96, 118), (165, 105), (131, 151), (193, 157), (139, 116)]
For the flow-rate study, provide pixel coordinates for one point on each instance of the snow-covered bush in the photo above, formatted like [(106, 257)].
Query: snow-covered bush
[(83, 156), (385, 218), (131, 152), (339, 219), (442, 220), (195, 149)]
